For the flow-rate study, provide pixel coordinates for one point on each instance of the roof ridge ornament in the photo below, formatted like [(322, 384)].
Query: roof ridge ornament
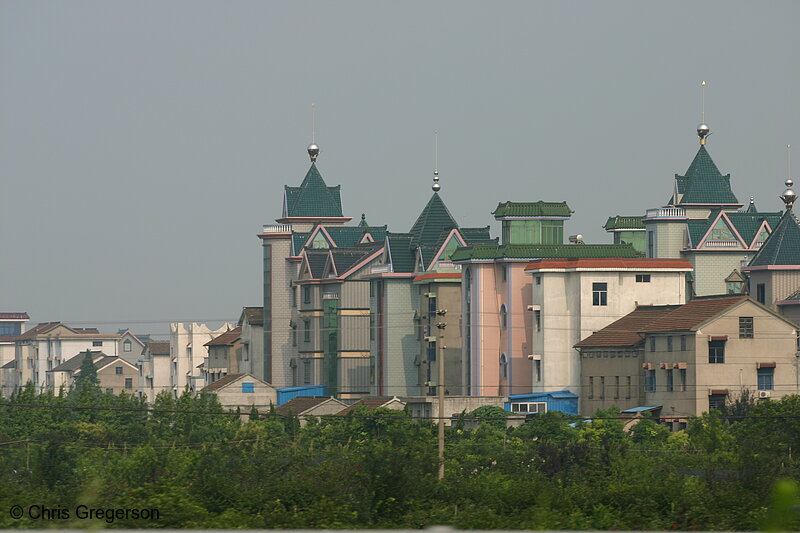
[(788, 195), (702, 129), (313, 149), (436, 187)]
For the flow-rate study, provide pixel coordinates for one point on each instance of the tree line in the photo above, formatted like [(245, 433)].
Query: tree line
[(378, 468)]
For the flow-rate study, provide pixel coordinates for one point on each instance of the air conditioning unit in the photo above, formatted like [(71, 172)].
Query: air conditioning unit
[(763, 394), (430, 339)]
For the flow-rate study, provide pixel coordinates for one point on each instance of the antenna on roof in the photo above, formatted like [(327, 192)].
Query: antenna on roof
[(313, 149), (702, 129), (436, 185)]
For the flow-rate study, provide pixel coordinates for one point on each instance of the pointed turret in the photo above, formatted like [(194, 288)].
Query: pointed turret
[(703, 184), (434, 219)]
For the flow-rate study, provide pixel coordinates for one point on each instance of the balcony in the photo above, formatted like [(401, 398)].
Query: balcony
[(277, 228), (722, 244), (665, 212), (381, 269)]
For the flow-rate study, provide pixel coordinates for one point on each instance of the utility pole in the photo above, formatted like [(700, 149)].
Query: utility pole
[(440, 391)]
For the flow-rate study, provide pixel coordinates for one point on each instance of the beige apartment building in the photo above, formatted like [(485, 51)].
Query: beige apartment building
[(689, 358)]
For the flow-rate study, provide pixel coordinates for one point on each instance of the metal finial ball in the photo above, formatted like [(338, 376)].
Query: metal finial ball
[(703, 129), (313, 151), (436, 187), (789, 182)]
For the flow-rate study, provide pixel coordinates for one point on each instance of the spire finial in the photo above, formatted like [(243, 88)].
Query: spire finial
[(436, 185), (788, 195), (702, 129), (313, 149)]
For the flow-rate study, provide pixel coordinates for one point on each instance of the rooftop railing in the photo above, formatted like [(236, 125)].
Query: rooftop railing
[(666, 212)]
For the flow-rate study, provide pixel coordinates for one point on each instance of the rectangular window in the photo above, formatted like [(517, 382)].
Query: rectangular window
[(670, 383), (651, 244), (118, 370), (97, 343), (306, 372), (128, 383), (248, 387), (294, 336), (538, 280), (306, 294), (766, 378), (306, 330), (431, 351), (126, 346), (650, 381), (716, 352), (537, 318), (669, 343), (616, 387), (628, 394), (717, 401), (431, 306), (761, 293), (652, 344), (683, 343), (682, 372), (745, 327), (599, 293), (602, 387), (642, 278), (537, 368), (505, 273), (532, 407), (591, 387), (294, 295)]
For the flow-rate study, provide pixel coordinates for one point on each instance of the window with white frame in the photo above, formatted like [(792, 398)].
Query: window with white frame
[(529, 407)]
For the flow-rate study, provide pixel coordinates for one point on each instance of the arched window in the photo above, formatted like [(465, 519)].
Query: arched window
[(503, 317), (503, 367), (126, 345)]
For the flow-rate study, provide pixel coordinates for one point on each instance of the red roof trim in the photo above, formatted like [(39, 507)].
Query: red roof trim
[(438, 275), (638, 263)]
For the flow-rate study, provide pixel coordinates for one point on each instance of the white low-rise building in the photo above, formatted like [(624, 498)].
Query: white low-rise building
[(572, 298)]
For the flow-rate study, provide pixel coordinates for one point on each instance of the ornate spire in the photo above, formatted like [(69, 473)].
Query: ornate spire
[(788, 195), (436, 187), (702, 128), (313, 149)]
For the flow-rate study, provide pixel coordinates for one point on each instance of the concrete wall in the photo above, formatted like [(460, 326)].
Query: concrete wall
[(115, 383), (568, 314), (610, 377), (711, 269), (231, 395), (188, 350)]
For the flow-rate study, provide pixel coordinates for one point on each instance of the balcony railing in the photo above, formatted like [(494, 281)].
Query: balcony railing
[(722, 244), (381, 269), (277, 228), (666, 212)]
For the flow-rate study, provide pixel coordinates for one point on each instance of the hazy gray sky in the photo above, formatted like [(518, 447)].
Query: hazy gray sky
[(144, 143)]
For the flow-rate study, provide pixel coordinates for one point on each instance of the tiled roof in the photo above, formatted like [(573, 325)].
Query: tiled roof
[(639, 263), (74, 363), (14, 316), (690, 315), (221, 382), (532, 209), (300, 404), (624, 222), (39, 329), (343, 236), (748, 223), (539, 251), (626, 330), (434, 219), (253, 315), (402, 253), (313, 198), (346, 258), (158, 347), (704, 184), (316, 261), (370, 402), (629, 330), (477, 235), (783, 245), (227, 338)]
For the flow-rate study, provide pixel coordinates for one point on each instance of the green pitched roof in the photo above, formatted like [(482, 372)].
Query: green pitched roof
[(542, 251), (313, 198), (343, 236), (749, 222), (401, 251), (783, 245), (477, 235), (703, 183), (752, 207), (433, 220), (624, 222), (532, 209)]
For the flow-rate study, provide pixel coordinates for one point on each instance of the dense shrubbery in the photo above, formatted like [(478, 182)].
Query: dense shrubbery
[(225, 471)]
